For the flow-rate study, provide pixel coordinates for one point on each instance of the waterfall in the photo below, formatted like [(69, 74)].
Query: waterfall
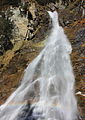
[(47, 89)]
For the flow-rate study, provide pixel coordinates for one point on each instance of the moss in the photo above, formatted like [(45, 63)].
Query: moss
[(40, 44)]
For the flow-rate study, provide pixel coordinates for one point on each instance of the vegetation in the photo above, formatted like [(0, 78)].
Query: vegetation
[(44, 2), (14, 2), (10, 2), (6, 26)]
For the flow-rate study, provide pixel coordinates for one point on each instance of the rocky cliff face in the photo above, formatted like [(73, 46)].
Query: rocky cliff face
[(34, 20)]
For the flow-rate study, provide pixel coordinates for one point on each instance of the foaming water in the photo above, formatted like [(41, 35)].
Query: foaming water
[(48, 83)]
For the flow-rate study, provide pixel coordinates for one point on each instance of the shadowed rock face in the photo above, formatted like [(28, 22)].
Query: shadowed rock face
[(9, 2), (44, 2)]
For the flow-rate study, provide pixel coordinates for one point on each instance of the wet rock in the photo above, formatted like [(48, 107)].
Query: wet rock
[(80, 37), (26, 113)]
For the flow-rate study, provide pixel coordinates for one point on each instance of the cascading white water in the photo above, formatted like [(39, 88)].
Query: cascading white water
[(48, 82)]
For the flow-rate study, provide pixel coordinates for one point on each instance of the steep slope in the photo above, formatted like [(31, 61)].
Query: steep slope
[(14, 61)]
